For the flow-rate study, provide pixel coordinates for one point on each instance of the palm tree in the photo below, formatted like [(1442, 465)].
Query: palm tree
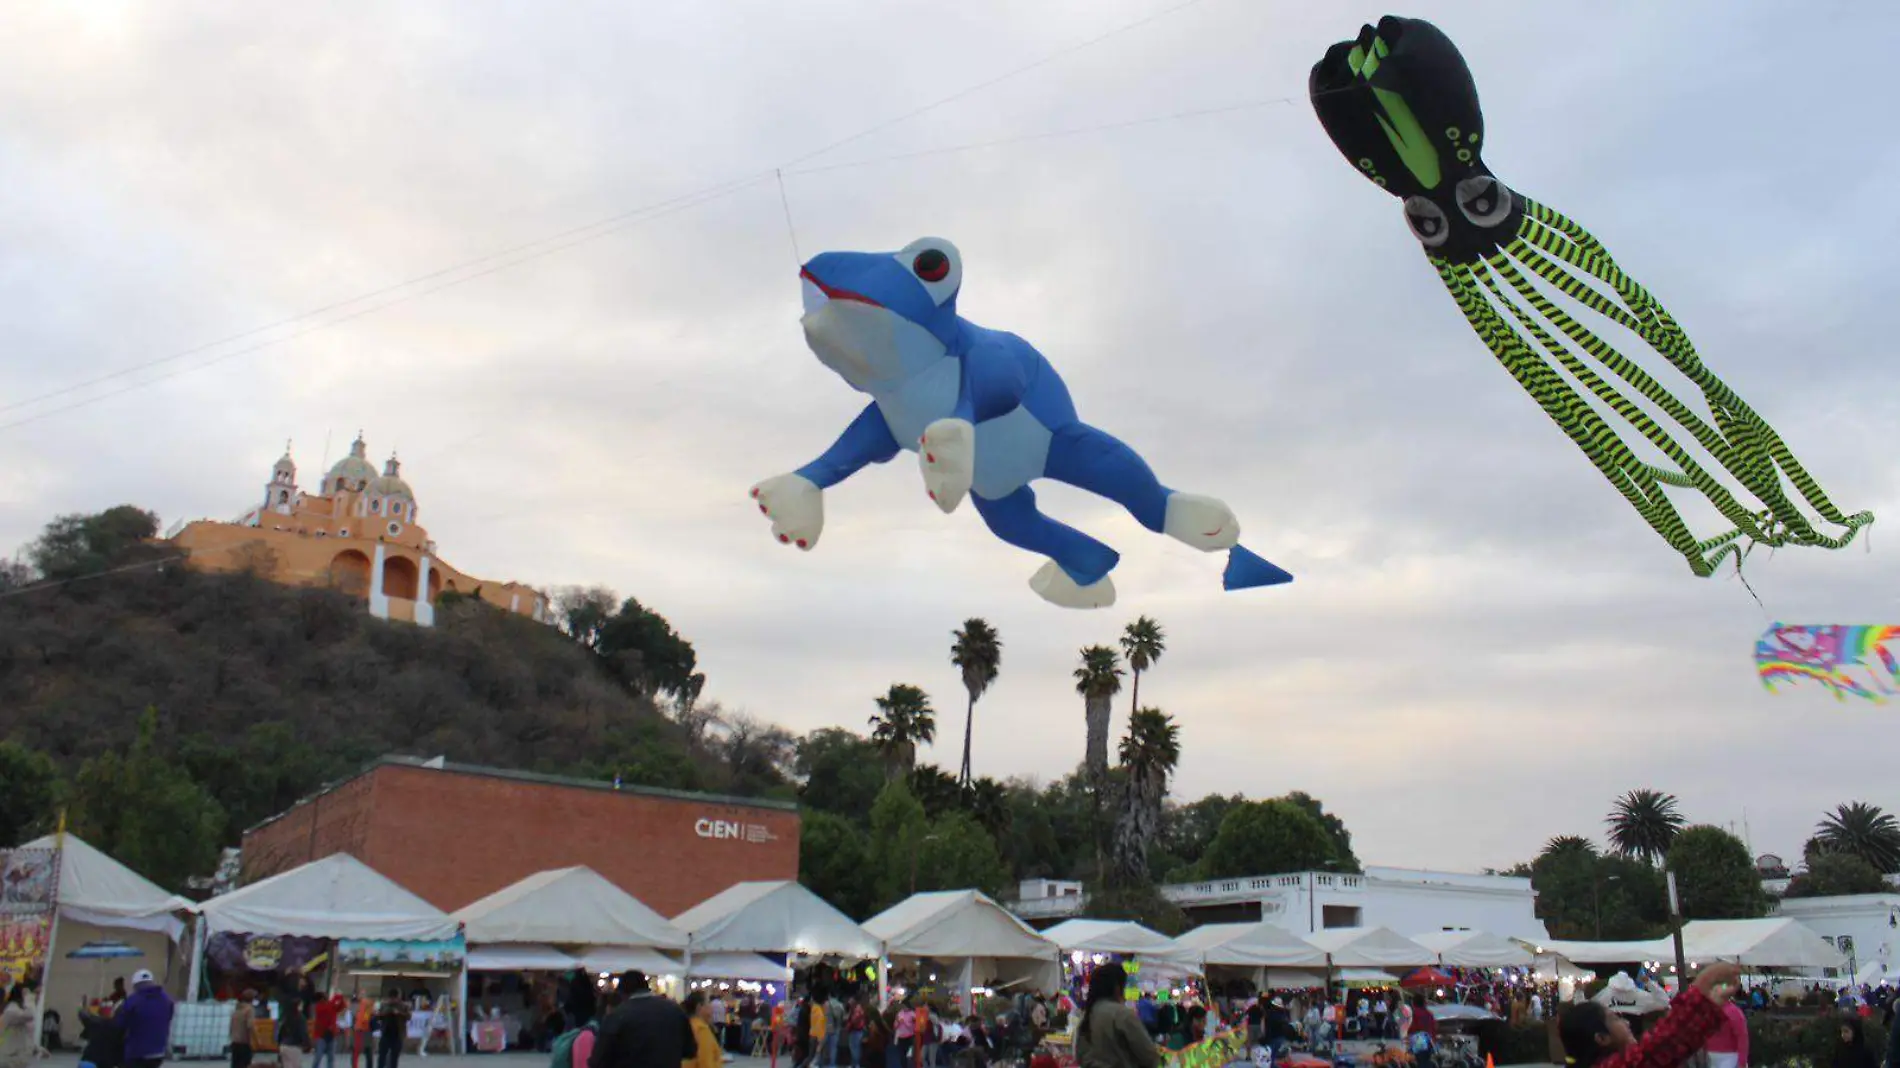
[(1862, 830), (1149, 754), (1098, 680), (1569, 843), (1142, 644), (987, 801), (978, 653), (1643, 823), (904, 718)]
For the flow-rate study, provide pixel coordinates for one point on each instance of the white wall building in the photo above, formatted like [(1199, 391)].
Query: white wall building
[(1866, 927), (1407, 901)]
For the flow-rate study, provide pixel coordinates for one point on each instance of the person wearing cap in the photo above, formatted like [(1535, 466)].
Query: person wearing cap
[(644, 1031), (146, 1022)]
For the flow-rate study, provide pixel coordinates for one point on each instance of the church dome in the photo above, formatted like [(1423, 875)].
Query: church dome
[(354, 469), (390, 483)]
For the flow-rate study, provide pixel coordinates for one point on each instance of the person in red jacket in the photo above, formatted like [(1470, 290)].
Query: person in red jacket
[(323, 1028), (1595, 1037)]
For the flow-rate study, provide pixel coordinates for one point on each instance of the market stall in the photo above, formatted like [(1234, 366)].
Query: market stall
[(1475, 949), (100, 900), (341, 917), (1261, 954), (566, 920), (961, 941), (1775, 942), (1370, 947), (772, 917)]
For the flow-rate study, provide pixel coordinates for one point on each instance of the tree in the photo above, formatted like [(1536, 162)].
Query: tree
[(1149, 754), (1186, 830), (644, 651), (978, 655), (987, 802), (31, 794), (898, 829), (1643, 824), (142, 808), (936, 790), (958, 854), (1835, 875), (1715, 877), (1343, 858), (1098, 679), (76, 545), (1569, 843), (904, 720), (1142, 645), (758, 755), (1862, 830), (583, 611), (834, 862), (1267, 838), (15, 575), (841, 773), (1583, 894)]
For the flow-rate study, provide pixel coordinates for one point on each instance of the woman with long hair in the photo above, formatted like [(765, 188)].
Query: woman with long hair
[(1595, 1037), (1852, 1050), (1110, 1035)]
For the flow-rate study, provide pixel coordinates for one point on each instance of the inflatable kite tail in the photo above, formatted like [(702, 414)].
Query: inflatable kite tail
[(1246, 570)]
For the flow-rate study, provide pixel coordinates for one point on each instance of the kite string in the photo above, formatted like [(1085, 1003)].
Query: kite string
[(785, 201)]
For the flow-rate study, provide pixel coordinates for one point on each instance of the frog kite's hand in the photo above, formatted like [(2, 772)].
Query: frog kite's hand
[(796, 507), (947, 455)]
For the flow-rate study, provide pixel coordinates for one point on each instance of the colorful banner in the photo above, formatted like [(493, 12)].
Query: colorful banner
[(1225, 1048), (428, 958), (27, 878), (270, 954), (24, 941), (1846, 660)]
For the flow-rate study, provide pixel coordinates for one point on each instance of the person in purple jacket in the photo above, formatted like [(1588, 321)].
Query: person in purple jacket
[(146, 1021)]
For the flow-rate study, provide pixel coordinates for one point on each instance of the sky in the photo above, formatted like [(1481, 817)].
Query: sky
[(1484, 645)]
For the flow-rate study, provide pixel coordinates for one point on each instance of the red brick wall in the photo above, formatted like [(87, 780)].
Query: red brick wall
[(342, 819), (454, 837)]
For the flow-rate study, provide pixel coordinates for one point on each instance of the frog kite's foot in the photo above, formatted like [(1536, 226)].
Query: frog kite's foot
[(1203, 522), (947, 455), (1056, 587), (796, 507)]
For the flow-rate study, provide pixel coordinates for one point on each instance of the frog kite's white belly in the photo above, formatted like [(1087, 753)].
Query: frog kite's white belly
[(1011, 450)]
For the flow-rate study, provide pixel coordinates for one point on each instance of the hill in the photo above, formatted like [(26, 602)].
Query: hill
[(260, 692)]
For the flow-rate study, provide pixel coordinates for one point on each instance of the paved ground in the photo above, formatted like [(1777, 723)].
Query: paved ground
[(70, 1059)]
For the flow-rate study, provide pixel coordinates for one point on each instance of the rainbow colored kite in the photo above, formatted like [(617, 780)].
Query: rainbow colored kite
[(1827, 654)]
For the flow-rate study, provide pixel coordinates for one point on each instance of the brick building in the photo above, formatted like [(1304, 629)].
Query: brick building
[(453, 834)]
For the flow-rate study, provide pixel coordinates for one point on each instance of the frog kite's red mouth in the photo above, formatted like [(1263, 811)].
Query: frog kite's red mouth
[(833, 292)]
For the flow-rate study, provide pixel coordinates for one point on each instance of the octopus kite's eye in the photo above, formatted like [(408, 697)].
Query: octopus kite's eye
[(1484, 200), (931, 265), (1428, 222)]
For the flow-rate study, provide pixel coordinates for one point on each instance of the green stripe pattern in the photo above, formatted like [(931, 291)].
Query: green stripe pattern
[(1495, 292)]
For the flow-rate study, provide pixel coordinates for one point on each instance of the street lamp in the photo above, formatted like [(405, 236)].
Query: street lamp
[(913, 859), (1596, 897)]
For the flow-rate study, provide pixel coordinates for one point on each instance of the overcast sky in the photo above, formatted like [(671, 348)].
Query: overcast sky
[(1484, 645)]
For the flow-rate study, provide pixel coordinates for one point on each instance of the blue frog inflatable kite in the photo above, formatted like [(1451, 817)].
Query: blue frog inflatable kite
[(986, 414)]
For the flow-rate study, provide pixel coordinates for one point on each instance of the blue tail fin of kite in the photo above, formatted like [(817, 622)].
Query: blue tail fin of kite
[(1245, 570)]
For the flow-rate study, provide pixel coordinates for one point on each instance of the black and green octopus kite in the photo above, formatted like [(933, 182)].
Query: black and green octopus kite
[(1401, 104)]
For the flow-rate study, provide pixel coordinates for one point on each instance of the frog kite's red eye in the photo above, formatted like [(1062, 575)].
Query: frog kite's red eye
[(931, 265)]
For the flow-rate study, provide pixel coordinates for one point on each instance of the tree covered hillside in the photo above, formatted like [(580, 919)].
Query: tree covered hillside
[(258, 693)]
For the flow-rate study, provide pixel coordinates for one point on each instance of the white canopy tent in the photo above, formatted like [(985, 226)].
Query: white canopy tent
[(1371, 947), (617, 959), (519, 957), (1123, 937), (1475, 949), (1611, 952), (101, 899), (1247, 945), (1775, 942), (740, 966), (567, 906), (337, 897), (773, 917), (987, 943)]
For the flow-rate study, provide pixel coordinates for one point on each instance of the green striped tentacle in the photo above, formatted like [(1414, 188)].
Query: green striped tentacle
[(1637, 481), (1753, 452)]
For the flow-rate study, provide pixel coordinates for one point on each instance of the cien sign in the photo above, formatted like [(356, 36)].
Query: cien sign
[(732, 830)]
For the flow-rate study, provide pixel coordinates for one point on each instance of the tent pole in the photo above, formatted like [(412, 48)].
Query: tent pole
[(883, 981), (199, 936), (52, 938), (460, 1045)]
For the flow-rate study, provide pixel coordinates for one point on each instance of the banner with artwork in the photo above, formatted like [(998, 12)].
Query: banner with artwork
[(440, 957), (28, 881), (271, 954), (23, 944)]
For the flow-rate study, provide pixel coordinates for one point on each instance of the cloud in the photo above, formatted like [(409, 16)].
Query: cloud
[(1484, 645)]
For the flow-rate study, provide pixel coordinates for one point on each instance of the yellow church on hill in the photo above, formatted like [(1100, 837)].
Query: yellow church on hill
[(358, 534)]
